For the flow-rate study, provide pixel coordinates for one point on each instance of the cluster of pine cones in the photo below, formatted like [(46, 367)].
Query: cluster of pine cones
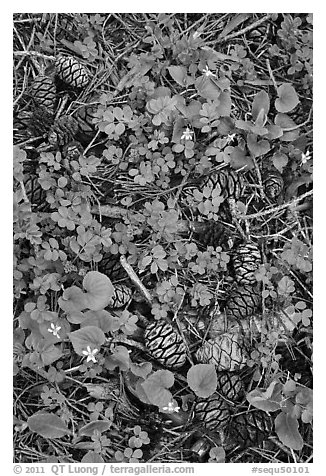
[(227, 343)]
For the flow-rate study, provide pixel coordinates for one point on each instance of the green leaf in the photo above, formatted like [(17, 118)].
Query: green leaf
[(119, 358), (92, 457), (142, 369), (72, 300), (207, 89), (224, 104), (102, 319), (156, 385), (280, 161), (87, 336), (286, 427), (48, 425), (257, 148), (236, 20), (261, 102), (239, 159), (287, 98), (266, 400), (202, 379), (286, 122), (179, 74), (98, 425), (99, 290), (285, 286)]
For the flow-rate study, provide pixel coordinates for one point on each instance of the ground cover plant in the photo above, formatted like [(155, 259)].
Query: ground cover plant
[(162, 237)]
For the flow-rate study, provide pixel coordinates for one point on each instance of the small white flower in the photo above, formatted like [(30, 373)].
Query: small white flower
[(207, 72), (90, 354), (305, 157), (171, 407), (54, 330), (231, 137), (187, 134)]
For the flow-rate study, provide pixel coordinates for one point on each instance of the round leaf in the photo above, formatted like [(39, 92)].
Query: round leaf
[(280, 161), (99, 290), (202, 379), (287, 98)]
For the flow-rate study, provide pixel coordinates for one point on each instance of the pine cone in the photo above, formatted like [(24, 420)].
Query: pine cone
[(35, 193), (230, 385), (84, 116), (243, 302), (43, 92), (121, 297), (41, 121), (63, 131), (111, 267), (72, 151), (246, 261), (249, 429), (213, 412), (71, 71), (212, 233), (226, 351), (273, 184), (165, 344), (230, 182)]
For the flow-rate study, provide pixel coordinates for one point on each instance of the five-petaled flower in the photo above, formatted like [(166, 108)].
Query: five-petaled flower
[(90, 354), (171, 407), (207, 72), (187, 134), (305, 157), (54, 330)]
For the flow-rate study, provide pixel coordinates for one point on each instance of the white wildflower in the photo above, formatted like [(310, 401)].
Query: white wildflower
[(207, 72), (90, 354), (187, 134), (54, 330)]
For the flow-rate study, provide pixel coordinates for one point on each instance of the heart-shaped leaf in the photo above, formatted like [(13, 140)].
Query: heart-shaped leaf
[(72, 300), (257, 148), (287, 98), (156, 385), (286, 122), (239, 159), (202, 379), (267, 400), (119, 358), (142, 369), (48, 425), (102, 319), (261, 103), (286, 427), (89, 336), (274, 132), (99, 290)]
